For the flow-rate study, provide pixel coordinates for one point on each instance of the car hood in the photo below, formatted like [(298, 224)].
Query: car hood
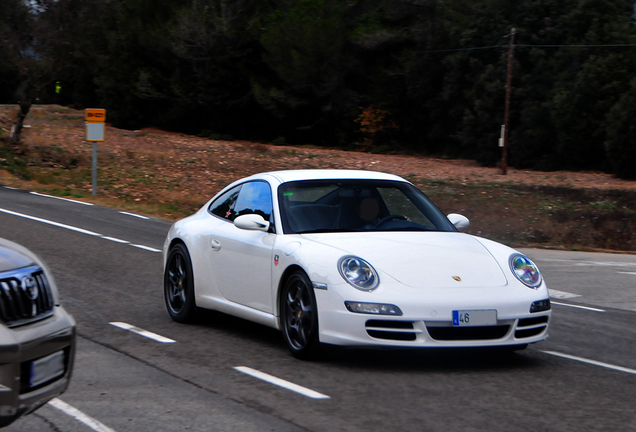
[(422, 259), (12, 256)]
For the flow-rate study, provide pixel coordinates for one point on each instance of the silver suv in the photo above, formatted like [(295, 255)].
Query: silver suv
[(37, 336)]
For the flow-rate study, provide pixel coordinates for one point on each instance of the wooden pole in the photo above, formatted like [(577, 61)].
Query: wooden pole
[(504, 153)]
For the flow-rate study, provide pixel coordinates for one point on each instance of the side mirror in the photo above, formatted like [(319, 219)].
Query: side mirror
[(458, 220), (253, 222)]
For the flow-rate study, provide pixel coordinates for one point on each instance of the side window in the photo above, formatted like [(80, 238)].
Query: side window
[(224, 206), (254, 197)]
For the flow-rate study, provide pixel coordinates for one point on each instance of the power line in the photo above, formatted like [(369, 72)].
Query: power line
[(532, 46), (467, 49), (578, 46)]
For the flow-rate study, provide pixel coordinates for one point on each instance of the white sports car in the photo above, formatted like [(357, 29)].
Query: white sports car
[(352, 258)]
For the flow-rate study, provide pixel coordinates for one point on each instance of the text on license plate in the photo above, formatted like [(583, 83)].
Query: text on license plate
[(47, 368), (463, 318)]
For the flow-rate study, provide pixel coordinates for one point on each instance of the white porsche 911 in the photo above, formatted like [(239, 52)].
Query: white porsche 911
[(352, 258)]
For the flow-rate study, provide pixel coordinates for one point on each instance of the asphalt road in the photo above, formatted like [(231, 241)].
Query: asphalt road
[(582, 378)]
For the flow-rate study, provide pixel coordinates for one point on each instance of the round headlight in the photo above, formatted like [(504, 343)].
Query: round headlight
[(358, 273), (525, 270)]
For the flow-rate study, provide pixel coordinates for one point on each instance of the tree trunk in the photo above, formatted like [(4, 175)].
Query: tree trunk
[(16, 129)]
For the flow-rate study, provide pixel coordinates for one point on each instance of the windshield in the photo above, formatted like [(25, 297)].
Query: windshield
[(313, 206)]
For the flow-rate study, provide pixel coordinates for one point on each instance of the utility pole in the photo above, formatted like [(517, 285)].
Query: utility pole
[(504, 153)]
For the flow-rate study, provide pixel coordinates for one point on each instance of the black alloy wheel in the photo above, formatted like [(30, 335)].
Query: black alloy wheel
[(299, 316), (178, 284)]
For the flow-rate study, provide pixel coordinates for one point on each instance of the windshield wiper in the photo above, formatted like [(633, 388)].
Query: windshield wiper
[(327, 230)]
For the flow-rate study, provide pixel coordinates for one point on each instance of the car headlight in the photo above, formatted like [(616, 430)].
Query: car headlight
[(358, 273), (525, 270)]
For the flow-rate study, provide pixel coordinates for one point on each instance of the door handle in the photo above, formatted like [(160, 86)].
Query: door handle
[(215, 244)]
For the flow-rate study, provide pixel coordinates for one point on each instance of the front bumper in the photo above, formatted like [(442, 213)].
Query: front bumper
[(427, 322), (19, 347)]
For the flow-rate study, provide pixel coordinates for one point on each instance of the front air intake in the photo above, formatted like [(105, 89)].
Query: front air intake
[(391, 330), (528, 327), (467, 333)]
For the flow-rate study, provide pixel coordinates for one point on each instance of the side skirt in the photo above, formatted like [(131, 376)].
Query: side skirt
[(239, 311)]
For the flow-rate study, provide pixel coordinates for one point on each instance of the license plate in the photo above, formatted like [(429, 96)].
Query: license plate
[(47, 368), (462, 318)]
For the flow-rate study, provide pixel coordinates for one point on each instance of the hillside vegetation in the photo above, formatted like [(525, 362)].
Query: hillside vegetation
[(425, 76)]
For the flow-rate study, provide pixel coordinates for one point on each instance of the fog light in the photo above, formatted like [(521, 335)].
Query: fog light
[(540, 306), (373, 308)]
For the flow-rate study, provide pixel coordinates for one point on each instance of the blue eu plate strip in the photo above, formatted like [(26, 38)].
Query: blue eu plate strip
[(455, 318)]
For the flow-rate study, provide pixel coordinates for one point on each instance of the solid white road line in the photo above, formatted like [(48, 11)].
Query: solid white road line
[(135, 215), (629, 273), (596, 263), (80, 230), (592, 362), (57, 224), (281, 383), (606, 264), (80, 416), (60, 198), (578, 307), (148, 248), (561, 294), (116, 240), (142, 332), (7, 187)]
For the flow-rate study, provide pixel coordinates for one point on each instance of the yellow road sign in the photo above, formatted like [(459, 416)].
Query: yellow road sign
[(95, 114)]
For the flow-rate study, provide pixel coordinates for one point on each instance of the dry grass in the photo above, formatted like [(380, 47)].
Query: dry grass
[(171, 175)]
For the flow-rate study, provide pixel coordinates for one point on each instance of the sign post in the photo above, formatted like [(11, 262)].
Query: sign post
[(95, 127)]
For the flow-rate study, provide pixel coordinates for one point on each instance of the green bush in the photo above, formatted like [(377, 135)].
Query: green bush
[(279, 141), (221, 137)]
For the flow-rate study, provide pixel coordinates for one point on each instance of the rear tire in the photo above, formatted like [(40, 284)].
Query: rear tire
[(299, 317), (178, 284)]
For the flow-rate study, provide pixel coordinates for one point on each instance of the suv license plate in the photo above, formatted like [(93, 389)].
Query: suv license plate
[(47, 368), (462, 318)]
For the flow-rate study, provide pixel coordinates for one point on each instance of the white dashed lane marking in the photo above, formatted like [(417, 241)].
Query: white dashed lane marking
[(592, 362), (79, 416), (561, 294), (281, 383), (142, 332), (578, 307)]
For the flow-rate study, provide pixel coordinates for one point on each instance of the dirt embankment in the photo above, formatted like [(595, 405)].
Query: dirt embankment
[(171, 174)]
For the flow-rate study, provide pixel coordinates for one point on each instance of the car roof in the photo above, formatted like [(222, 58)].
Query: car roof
[(320, 174)]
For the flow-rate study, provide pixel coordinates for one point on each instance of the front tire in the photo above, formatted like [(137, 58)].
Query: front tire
[(299, 316), (178, 284)]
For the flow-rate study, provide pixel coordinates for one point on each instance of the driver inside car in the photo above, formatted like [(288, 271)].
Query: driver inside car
[(368, 211)]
